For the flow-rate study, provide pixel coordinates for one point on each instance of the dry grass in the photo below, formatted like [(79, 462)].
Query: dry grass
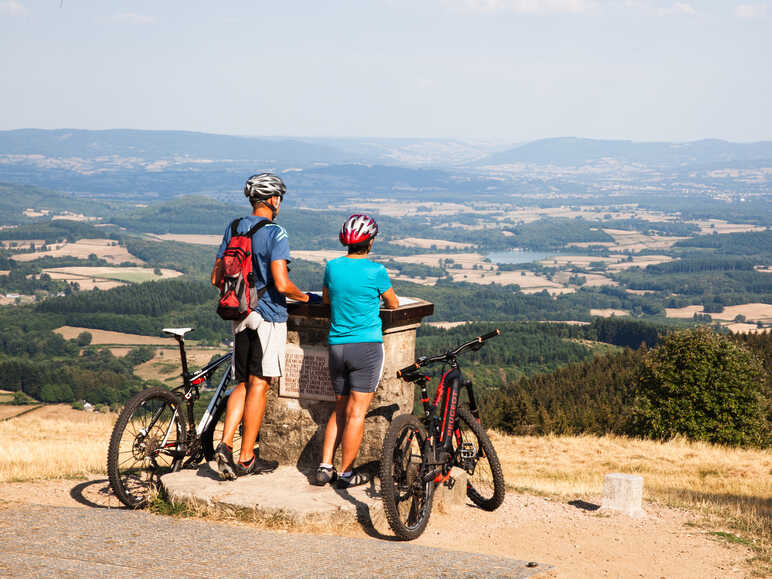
[(54, 442), (731, 487)]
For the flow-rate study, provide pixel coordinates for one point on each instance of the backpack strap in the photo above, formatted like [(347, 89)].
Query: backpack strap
[(252, 230), (257, 226)]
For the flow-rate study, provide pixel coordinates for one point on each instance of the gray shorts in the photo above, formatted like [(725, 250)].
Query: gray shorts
[(356, 367)]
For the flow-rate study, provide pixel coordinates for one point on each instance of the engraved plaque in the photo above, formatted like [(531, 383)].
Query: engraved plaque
[(306, 374)]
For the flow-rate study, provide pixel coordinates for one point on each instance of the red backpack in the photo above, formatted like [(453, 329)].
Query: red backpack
[(237, 290)]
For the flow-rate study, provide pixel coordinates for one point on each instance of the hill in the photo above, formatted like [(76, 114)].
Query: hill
[(572, 151)]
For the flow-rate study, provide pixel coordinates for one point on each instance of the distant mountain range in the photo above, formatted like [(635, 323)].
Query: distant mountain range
[(147, 165), (153, 145), (571, 151)]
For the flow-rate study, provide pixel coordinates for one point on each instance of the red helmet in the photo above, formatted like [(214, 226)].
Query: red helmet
[(357, 229)]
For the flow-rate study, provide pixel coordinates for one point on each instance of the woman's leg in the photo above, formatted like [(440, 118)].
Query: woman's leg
[(356, 409), (334, 431)]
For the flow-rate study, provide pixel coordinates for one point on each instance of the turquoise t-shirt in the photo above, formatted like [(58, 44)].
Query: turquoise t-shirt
[(355, 287)]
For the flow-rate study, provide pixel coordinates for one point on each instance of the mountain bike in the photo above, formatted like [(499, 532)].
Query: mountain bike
[(156, 433), (419, 453)]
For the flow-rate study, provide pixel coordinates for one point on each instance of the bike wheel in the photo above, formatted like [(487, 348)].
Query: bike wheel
[(212, 436), (144, 445), (406, 498), (475, 454)]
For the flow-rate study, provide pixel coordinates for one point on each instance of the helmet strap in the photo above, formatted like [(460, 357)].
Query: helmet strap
[(271, 207)]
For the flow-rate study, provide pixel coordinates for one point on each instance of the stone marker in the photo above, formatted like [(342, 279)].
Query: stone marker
[(298, 409), (623, 492)]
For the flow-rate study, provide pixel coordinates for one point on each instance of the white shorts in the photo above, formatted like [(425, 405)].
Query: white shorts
[(273, 340)]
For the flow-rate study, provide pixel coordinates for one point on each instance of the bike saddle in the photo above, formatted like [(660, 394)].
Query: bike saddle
[(177, 332)]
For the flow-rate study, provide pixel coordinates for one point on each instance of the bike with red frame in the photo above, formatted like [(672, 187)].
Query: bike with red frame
[(419, 453)]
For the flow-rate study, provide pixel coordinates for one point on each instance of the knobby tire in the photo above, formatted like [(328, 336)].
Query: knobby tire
[(407, 507), (485, 486), (136, 461)]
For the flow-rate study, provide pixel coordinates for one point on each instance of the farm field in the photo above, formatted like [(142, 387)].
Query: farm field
[(98, 276), (165, 364), (106, 249), (755, 312), (104, 337), (428, 243), (195, 239)]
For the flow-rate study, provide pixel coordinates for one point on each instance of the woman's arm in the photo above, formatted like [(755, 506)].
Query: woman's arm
[(390, 300), (283, 283)]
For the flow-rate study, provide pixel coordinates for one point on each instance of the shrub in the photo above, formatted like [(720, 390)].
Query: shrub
[(704, 386)]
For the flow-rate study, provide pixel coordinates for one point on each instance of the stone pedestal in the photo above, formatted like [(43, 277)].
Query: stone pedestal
[(300, 404), (623, 492)]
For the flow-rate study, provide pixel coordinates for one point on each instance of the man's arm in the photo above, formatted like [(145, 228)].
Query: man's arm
[(390, 300), (217, 272), (326, 296), (283, 283)]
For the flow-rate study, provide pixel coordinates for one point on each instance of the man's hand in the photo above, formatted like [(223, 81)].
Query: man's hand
[(314, 298)]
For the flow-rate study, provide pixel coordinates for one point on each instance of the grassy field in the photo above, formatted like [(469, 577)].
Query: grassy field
[(54, 442), (731, 488)]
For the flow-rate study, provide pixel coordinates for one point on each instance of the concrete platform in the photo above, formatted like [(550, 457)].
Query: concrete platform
[(287, 492)]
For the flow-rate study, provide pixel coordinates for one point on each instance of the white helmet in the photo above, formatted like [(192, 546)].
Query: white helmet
[(264, 186)]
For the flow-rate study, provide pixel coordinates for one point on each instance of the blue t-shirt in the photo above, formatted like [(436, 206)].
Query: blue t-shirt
[(269, 243), (355, 286)]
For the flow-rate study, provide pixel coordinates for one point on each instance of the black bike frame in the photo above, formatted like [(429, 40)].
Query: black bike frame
[(189, 390)]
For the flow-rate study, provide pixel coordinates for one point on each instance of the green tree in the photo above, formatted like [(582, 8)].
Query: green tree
[(84, 339), (704, 386)]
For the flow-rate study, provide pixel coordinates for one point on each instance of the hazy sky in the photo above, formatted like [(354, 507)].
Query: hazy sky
[(503, 69)]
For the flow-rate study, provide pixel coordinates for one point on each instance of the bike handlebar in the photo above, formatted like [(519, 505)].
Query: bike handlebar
[(423, 360)]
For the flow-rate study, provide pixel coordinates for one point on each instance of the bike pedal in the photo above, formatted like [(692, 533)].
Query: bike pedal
[(467, 450)]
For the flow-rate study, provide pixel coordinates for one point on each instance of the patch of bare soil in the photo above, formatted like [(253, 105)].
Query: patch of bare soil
[(577, 540), (587, 543)]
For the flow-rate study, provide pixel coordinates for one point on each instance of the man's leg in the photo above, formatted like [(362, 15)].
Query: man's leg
[(356, 409), (334, 431), (254, 410), (233, 413)]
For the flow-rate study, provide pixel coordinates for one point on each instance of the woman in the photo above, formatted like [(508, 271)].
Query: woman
[(353, 286)]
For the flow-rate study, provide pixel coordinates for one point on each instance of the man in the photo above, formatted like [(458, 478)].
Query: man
[(259, 340)]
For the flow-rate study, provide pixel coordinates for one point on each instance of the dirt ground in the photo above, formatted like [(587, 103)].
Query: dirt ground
[(576, 539)]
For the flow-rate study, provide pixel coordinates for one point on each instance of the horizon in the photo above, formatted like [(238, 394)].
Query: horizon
[(501, 141)]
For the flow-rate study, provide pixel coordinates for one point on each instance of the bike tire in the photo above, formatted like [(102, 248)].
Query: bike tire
[(135, 459), (212, 436), (485, 486), (407, 505)]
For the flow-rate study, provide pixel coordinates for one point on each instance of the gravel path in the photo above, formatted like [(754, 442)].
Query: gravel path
[(38, 540)]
